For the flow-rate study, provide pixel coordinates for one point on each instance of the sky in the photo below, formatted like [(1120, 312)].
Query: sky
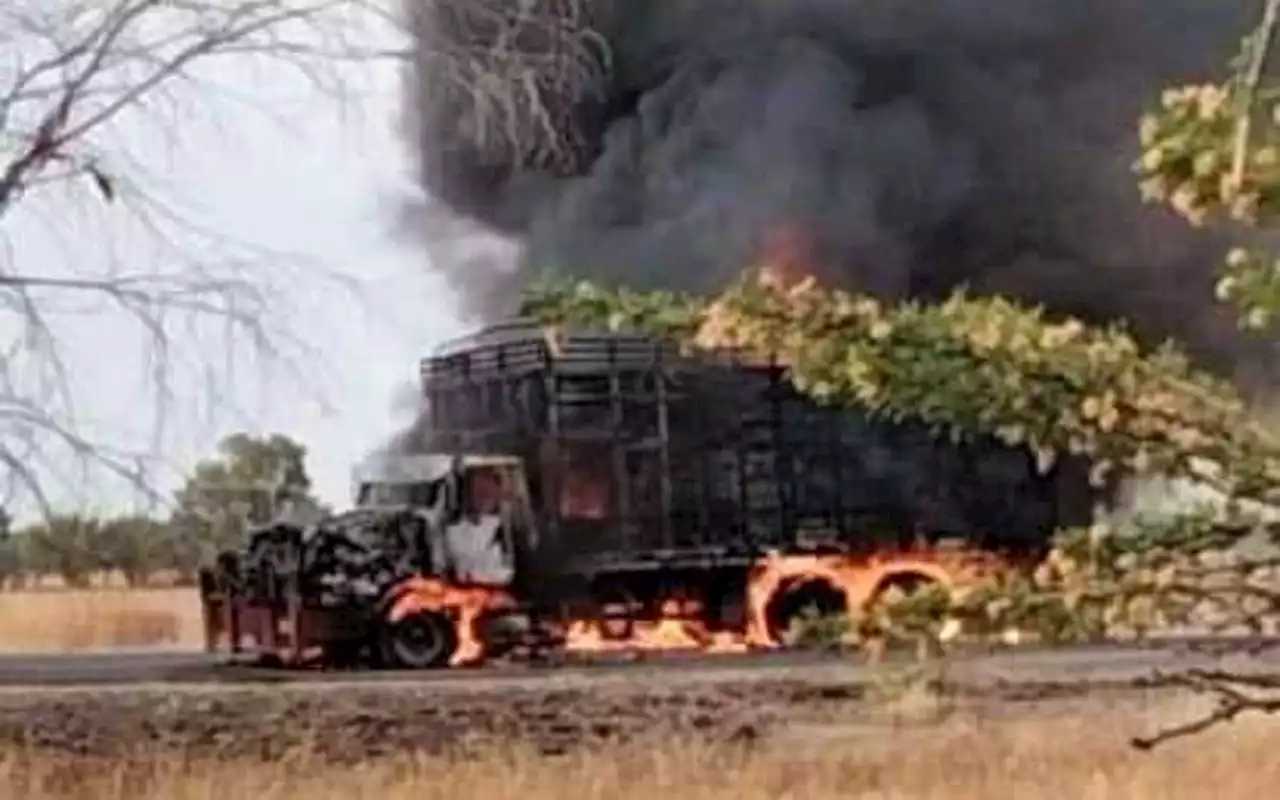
[(259, 156), (307, 174)]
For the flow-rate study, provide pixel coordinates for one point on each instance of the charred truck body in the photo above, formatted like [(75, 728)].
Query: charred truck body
[(607, 492)]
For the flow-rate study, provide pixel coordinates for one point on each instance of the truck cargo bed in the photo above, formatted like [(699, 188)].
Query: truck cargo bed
[(642, 455)]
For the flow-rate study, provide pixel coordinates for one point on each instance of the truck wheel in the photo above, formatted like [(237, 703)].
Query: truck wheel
[(615, 613), (421, 641)]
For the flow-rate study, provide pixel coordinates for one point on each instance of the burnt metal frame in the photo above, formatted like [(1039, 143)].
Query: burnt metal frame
[(514, 364), (511, 361), (473, 384)]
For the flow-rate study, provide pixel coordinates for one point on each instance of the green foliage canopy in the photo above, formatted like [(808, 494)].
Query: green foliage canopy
[(76, 546), (969, 366), (249, 482), (1211, 153)]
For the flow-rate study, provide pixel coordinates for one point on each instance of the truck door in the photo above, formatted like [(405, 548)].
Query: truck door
[(478, 545)]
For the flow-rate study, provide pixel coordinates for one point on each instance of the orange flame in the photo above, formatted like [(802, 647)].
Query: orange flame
[(582, 492), (785, 265), (466, 604), (583, 497), (681, 622), (679, 626), (786, 257), (682, 625)]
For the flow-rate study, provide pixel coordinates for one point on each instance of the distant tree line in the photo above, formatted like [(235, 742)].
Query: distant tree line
[(251, 480)]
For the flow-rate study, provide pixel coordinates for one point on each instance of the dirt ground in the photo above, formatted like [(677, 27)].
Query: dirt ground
[(356, 723)]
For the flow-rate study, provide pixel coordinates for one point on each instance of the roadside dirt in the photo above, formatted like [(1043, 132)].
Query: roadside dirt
[(355, 723)]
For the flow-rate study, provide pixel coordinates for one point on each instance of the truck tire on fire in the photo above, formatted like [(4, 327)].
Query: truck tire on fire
[(425, 640), (615, 612), (799, 596), (900, 586)]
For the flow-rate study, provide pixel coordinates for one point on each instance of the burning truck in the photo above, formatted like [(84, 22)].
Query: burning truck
[(613, 494)]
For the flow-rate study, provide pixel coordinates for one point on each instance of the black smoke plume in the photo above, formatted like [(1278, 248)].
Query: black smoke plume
[(920, 145)]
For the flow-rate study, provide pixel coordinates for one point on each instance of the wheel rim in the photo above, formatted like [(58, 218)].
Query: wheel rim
[(420, 641)]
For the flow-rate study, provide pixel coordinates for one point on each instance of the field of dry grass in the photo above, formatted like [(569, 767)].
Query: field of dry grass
[(48, 620), (1080, 758), (210, 746)]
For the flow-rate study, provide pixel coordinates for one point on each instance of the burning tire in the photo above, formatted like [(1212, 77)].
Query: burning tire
[(616, 610), (426, 640), (797, 611)]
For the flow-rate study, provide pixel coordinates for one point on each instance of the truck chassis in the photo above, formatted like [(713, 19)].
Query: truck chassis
[(718, 606)]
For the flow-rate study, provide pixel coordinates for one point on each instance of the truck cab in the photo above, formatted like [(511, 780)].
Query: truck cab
[(477, 507)]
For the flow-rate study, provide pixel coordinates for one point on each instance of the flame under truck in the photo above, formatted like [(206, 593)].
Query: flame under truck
[(611, 493)]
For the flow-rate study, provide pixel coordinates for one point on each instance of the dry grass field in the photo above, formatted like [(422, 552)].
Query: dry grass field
[(56, 620), (1080, 758), (1077, 754)]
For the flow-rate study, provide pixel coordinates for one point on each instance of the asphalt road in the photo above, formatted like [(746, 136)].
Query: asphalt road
[(1102, 663)]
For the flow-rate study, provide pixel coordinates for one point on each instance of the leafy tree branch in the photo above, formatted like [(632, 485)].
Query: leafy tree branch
[(1212, 154), (986, 366)]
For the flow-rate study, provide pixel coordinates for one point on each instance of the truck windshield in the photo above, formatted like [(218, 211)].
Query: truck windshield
[(399, 494)]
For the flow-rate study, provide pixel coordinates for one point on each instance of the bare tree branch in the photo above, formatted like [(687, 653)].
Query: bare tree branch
[(510, 76), (75, 75), (1235, 695), (1259, 48)]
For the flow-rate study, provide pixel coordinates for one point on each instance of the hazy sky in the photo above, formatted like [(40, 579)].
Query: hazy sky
[(315, 183)]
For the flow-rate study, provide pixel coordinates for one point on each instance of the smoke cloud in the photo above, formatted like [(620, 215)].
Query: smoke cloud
[(915, 145)]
